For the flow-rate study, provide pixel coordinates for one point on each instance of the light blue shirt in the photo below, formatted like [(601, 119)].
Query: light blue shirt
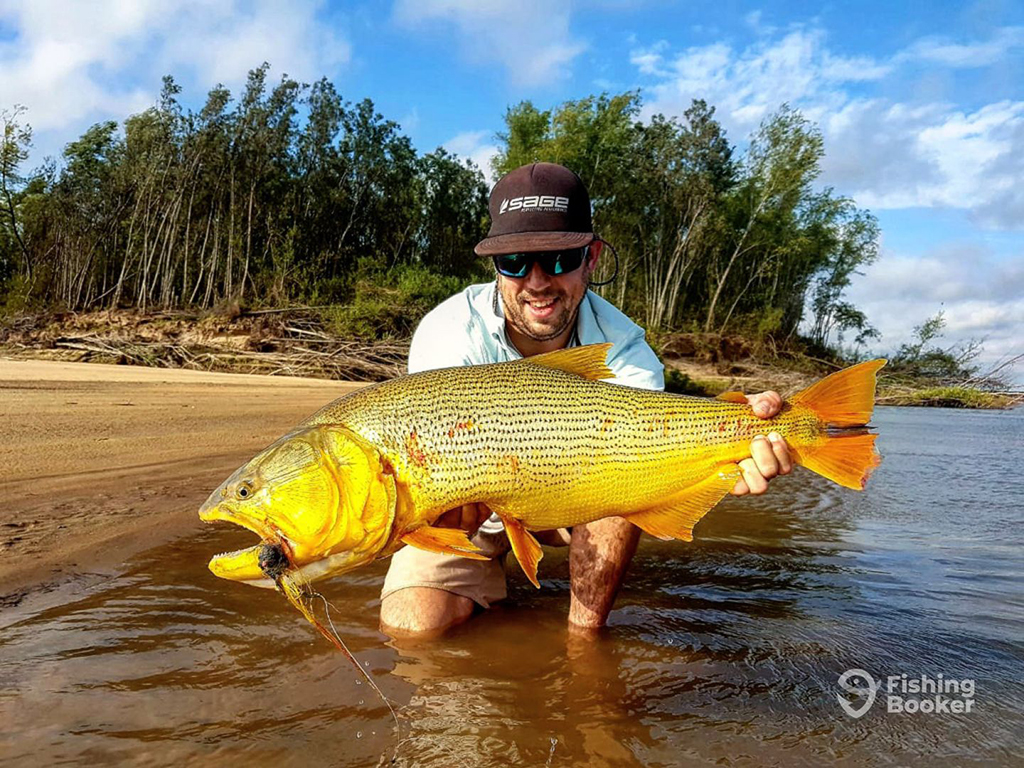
[(469, 329)]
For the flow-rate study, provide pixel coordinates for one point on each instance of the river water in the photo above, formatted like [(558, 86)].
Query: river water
[(724, 652)]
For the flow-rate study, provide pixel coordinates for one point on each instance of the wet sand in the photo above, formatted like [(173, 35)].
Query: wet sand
[(98, 462)]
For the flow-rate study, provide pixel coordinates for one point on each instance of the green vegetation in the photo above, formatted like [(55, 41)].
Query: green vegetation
[(387, 303), (276, 198), (706, 238), (682, 384), (946, 397), (291, 194), (923, 373)]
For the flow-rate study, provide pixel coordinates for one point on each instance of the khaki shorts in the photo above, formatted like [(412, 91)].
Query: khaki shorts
[(482, 581)]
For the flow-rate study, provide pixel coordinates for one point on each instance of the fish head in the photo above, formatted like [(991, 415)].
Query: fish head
[(321, 496)]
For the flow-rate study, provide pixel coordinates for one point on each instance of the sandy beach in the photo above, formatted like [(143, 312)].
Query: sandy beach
[(98, 462)]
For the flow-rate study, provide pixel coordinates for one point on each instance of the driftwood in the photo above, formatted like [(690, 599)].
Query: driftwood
[(287, 345)]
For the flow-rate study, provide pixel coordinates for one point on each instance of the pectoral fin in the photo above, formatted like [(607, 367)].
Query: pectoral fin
[(675, 519), (444, 541), (525, 548)]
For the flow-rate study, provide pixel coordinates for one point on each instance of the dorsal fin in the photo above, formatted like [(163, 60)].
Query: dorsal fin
[(587, 362), (733, 397)]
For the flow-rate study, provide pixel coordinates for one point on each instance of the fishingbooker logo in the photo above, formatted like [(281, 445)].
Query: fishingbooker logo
[(534, 203), (920, 694)]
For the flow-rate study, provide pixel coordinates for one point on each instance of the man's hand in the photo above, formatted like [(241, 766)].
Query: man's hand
[(468, 517), (769, 456)]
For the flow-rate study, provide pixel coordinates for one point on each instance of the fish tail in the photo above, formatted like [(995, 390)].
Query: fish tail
[(844, 402)]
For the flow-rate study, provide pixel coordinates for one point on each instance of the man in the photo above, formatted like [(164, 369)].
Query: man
[(544, 251)]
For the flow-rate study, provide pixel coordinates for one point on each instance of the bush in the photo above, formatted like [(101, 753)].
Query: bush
[(389, 304), (680, 384)]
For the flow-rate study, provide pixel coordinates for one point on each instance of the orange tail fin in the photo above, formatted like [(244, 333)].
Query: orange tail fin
[(843, 400)]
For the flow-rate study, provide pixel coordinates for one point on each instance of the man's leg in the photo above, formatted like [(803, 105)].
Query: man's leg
[(423, 610), (426, 593), (599, 555)]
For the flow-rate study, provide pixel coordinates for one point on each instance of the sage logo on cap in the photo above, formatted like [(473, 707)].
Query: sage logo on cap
[(538, 207), (535, 203)]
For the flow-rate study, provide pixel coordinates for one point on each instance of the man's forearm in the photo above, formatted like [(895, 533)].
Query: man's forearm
[(599, 555)]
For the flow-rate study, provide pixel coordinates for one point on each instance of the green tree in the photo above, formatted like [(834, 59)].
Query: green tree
[(780, 164), (15, 142), (851, 243), (454, 201)]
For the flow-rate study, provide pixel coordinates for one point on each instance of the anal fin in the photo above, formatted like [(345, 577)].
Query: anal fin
[(676, 517), (444, 541), (524, 546)]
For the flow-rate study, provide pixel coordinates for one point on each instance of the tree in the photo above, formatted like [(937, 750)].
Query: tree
[(454, 211), (15, 142), (779, 166), (852, 243)]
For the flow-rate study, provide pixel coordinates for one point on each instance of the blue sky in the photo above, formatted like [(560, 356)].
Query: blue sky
[(921, 104)]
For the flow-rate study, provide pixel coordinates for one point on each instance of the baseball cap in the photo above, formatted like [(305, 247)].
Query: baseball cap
[(538, 207)]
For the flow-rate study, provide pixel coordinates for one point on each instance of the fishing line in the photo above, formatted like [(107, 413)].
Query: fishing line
[(449, 751), (300, 594), (327, 613)]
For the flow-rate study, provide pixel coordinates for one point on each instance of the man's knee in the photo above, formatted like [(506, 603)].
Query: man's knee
[(423, 610)]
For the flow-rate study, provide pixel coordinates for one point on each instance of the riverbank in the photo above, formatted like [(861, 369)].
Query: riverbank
[(100, 461), (309, 342)]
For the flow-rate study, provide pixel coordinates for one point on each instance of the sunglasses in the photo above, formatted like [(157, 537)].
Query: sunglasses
[(554, 263)]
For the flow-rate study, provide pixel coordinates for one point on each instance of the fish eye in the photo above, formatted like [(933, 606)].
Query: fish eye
[(244, 490)]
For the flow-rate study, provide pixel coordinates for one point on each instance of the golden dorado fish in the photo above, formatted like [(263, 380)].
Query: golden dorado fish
[(541, 441)]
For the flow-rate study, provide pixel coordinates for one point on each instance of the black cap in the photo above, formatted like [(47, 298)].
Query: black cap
[(538, 207)]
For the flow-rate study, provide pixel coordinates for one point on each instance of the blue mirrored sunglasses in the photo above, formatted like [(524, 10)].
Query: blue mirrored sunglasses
[(553, 263)]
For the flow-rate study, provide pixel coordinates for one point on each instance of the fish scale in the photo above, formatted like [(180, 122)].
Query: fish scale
[(542, 441), (546, 446)]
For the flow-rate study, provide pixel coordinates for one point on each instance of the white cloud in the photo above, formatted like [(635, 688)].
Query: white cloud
[(530, 39), (938, 50), (477, 146), (746, 86), (74, 63), (884, 153), (981, 296), (896, 156)]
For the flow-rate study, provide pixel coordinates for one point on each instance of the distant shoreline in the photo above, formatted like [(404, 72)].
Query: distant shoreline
[(297, 342)]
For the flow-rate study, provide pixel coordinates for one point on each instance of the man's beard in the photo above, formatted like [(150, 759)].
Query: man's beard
[(550, 328)]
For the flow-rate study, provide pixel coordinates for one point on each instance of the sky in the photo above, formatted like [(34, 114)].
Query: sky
[(921, 104)]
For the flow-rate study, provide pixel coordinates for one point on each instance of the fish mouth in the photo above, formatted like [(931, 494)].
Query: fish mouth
[(218, 512), (243, 564)]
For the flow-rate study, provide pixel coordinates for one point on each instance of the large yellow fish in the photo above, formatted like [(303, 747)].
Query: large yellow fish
[(541, 441)]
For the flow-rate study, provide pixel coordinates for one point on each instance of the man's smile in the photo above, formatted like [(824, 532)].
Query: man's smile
[(542, 309)]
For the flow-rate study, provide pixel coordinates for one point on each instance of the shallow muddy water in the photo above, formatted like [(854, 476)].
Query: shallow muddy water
[(726, 651)]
